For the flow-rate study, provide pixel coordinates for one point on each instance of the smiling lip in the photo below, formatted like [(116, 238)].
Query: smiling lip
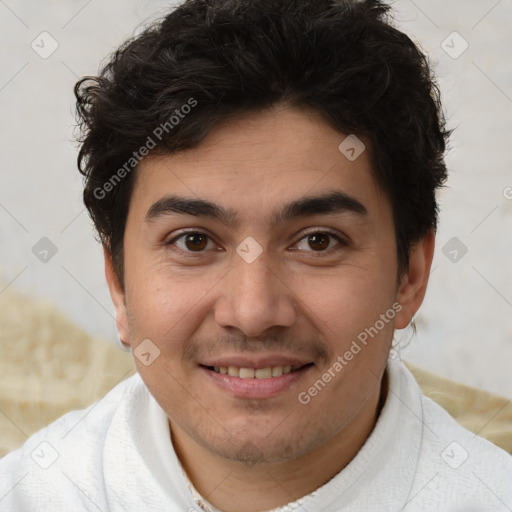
[(255, 388), (256, 362)]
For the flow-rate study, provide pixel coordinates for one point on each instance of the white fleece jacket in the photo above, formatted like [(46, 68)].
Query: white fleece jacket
[(117, 456)]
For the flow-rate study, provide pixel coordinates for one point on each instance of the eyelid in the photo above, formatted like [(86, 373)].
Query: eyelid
[(187, 232), (327, 231)]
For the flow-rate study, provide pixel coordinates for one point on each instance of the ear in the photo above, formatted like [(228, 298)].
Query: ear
[(118, 299), (413, 283)]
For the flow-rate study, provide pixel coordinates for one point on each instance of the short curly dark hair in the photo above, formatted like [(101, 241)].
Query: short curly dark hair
[(342, 58)]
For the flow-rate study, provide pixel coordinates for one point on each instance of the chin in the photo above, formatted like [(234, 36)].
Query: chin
[(257, 447)]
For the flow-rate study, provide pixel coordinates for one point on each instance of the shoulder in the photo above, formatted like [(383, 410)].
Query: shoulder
[(29, 475), (443, 432), (458, 468)]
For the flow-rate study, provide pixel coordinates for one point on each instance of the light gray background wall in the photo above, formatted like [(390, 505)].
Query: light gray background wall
[(465, 323)]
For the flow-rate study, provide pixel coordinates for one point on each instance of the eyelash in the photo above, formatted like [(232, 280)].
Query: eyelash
[(342, 242)]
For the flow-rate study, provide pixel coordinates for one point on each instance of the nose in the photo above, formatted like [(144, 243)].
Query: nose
[(254, 299)]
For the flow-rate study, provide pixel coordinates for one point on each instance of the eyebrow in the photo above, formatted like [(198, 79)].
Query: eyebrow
[(329, 203)]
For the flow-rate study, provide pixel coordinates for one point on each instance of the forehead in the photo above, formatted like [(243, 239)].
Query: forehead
[(255, 163)]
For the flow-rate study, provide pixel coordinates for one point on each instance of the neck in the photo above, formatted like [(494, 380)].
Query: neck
[(232, 486)]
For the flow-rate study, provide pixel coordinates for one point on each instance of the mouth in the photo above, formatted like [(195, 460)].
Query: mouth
[(268, 372), (263, 380)]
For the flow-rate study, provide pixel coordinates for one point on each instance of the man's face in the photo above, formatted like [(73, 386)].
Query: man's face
[(211, 300)]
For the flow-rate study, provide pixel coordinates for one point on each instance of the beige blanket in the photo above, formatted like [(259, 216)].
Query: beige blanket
[(49, 366)]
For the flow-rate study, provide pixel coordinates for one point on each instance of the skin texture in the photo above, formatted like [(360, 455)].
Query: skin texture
[(291, 301)]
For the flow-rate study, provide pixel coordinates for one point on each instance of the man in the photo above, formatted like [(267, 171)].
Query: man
[(262, 176)]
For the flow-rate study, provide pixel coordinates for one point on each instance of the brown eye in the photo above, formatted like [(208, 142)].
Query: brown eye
[(321, 241), (193, 241), (318, 241), (196, 241)]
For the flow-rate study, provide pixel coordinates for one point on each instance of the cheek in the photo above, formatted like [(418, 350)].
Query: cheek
[(355, 314), (165, 304), (342, 304)]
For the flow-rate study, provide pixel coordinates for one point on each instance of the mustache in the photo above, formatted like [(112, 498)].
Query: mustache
[(311, 348)]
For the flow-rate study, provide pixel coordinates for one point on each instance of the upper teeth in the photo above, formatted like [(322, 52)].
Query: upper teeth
[(253, 373)]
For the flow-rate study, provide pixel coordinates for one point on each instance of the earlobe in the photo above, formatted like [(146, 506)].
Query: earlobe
[(118, 298), (414, 281)]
